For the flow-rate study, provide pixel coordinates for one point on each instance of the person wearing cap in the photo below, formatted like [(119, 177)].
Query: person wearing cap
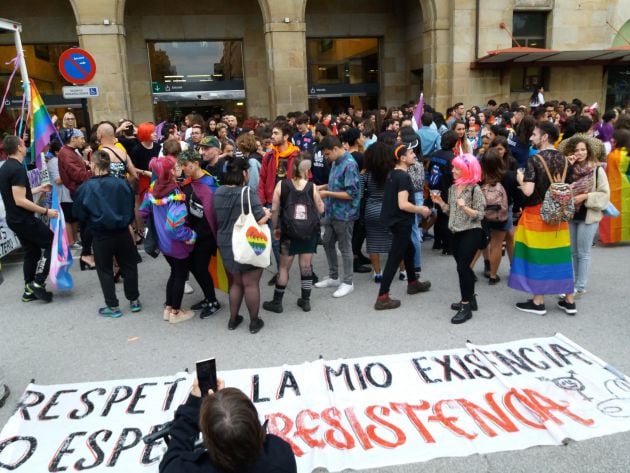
[(74, 171), (210, 151), (398, 214), (199, 187)]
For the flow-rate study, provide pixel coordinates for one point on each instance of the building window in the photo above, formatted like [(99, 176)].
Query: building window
[(529, 30), (190, 66), (342, 61)]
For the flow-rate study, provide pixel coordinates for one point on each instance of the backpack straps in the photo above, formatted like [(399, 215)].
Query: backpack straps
[(551, 179)]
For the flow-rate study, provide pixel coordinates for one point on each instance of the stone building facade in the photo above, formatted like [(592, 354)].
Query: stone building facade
[(423, 45)]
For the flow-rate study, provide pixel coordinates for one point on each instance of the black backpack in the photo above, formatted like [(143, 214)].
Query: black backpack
[(300, 219)]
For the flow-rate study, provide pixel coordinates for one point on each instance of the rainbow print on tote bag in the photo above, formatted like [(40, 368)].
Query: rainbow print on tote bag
[(251, 243)]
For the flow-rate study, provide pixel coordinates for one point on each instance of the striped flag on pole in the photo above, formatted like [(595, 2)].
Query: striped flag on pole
[(60, 257)]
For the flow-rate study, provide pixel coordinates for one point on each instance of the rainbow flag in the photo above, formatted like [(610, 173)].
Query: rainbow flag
[(616, 230), (218, 273), (542, 262), (41, 126), (60, 257)]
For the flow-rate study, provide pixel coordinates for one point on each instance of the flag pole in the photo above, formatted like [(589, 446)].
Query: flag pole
[(16, 27)]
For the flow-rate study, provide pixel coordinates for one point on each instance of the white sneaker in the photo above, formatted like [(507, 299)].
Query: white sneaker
[(344, 290), (328, 282), (188, 289)]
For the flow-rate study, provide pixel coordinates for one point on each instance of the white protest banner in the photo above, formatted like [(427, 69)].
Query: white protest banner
[(8, 240), (357, 413)]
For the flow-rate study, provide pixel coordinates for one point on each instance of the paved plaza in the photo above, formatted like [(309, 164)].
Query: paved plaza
[(66, 342)]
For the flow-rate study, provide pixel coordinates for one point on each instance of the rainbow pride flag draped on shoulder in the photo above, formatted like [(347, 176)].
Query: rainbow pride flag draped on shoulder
[(41, 125), (542, 262), (616, 230)]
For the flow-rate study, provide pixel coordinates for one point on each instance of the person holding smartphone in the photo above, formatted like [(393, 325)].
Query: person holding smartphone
[(233, 437)]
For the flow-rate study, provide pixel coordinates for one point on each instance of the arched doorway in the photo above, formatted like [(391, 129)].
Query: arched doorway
[(364, 53), (208, 57), (48, 28)]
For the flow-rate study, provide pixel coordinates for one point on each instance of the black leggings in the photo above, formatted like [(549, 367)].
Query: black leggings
[(176, 282), (402, 249), (86, 239), (35, 236), (199, 262), (465, 246)]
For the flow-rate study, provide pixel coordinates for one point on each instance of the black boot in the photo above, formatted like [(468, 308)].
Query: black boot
[(276, 304), (473, 304), (486, 268), (463, 314), (305, 301)]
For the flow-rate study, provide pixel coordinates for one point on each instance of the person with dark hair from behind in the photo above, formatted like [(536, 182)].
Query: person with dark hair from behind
[(34, 235), (440, 178), (107, 204), (233, 438), (245, 283)]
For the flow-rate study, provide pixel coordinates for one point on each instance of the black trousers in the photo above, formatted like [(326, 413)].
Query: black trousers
[(402, 249), (86, 239), (176, 281), (442, 235), (199, 262), (36, 240), (465, 245), (358, 236), (117, 245)]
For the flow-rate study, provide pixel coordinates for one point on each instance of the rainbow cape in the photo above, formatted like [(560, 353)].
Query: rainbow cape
[(616, 230), (41, 125), (542, 262)]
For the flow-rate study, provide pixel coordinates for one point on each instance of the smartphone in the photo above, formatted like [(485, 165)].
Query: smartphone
[(207, 375)]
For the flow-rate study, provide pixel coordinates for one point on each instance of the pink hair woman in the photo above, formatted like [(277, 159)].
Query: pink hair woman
[(466, 210)]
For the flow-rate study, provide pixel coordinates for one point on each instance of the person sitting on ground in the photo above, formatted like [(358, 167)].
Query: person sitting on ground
[(233, 438)]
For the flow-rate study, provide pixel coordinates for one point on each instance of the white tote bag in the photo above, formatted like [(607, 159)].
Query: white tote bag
[(251, 243)]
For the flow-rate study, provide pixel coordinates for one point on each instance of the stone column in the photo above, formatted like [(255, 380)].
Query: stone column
[(106, 43), (286, 61)]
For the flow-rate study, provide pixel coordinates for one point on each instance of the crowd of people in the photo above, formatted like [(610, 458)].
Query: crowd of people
[(481, 183)]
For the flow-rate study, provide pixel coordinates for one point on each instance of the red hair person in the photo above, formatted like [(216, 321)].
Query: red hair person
[(465, 211), (141, 154)]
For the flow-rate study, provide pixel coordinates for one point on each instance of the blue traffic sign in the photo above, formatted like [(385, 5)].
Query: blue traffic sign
[(77, 66)]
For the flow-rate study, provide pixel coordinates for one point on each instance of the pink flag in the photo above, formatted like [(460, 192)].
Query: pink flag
[(419, 110)]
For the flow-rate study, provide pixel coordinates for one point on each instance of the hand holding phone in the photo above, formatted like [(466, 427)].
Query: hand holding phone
[(207, 376)]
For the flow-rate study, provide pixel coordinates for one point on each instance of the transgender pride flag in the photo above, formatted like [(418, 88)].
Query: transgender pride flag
[(60, 257)]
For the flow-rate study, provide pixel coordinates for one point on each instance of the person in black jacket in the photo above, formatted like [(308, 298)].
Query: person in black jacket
[(233, 437), (107, 204)]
